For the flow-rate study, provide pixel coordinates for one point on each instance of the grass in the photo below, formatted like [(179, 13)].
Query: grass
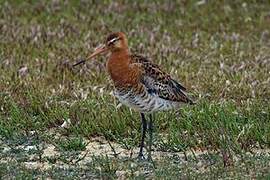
[(73, 144), (218, 49)]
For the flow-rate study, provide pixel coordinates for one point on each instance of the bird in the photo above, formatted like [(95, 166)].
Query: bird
[(140, 84)]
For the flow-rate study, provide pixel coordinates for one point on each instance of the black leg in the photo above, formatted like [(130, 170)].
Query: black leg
[(144, 127), (150, 129)]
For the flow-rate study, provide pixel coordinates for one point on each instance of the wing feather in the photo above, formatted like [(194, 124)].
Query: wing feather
[(160, 83)]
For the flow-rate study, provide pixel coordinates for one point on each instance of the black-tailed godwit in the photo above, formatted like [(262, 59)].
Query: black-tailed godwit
[(139, 83)]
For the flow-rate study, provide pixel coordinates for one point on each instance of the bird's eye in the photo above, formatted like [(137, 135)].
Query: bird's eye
[(112, 41)]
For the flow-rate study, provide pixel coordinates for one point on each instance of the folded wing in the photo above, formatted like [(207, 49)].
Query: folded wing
[(159, 83)]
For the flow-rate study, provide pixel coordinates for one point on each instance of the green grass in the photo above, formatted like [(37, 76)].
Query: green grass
[(72, 144), (219, 50)]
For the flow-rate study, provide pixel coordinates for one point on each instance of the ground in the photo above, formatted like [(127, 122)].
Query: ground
[(60, 121)]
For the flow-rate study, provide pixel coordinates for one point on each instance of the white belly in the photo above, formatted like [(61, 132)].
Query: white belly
[(148, 104)]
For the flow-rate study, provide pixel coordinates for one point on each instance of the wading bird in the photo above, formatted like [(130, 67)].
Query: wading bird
[(139, 83)]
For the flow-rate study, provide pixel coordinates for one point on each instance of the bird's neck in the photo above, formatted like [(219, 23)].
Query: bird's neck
[(119, 68)]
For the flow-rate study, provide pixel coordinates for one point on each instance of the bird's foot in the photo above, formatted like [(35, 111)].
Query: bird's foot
[(141, 157)]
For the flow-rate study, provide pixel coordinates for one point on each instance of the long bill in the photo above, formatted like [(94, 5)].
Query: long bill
[(100, 49)]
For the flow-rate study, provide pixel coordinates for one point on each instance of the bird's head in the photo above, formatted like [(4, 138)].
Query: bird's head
[(116, 41), (113, 43)]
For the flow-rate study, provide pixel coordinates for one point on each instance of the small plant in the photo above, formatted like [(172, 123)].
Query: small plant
[(72, 144), (105, 166)]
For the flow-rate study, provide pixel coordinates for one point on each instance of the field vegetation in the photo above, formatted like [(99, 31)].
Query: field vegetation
[(219, 50)]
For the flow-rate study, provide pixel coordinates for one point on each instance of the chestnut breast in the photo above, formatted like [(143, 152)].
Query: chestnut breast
[(121, 71)]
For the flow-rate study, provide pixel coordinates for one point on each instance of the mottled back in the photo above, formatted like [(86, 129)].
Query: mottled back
[(160, 83)]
